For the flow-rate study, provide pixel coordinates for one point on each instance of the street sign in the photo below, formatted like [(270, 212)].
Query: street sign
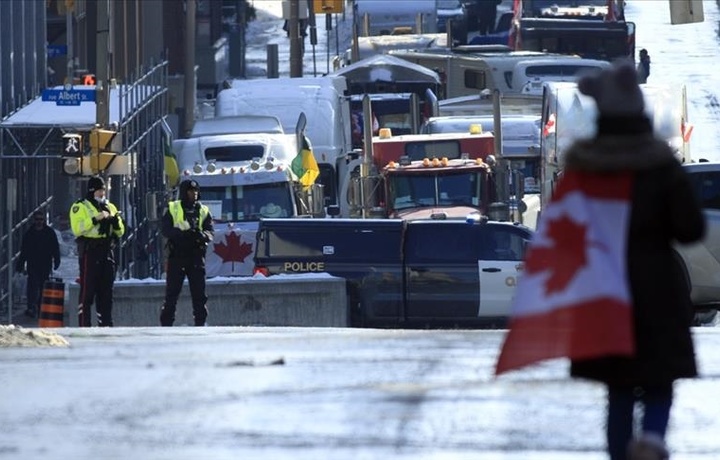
[(68, 97), (56, 50)]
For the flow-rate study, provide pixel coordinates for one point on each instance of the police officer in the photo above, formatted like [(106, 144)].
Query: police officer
[(188, 227), (97, 225)]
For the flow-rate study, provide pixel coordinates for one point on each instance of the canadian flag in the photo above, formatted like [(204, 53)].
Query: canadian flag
[(549, 127), (573, 299)]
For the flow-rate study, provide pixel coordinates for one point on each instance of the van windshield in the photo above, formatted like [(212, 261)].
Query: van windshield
[(241, 203)]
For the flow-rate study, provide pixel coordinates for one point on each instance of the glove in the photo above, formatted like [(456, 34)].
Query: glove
[(200, 237), (105, 227), (102, 216), (115, 221)]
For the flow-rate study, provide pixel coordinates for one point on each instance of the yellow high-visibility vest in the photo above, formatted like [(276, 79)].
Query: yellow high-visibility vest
[(81, 220), (178, 215)]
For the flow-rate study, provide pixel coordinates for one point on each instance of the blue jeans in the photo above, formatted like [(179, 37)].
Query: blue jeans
[(656, 401)]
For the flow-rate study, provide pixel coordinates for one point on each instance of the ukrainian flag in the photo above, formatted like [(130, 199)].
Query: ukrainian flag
[(172, 171), (304, 165)]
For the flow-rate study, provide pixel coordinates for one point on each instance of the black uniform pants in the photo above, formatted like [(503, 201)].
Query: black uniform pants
[(178, 268), (97, 277)]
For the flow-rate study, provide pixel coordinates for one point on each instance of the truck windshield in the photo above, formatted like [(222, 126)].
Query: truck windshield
[(414, 190), (600, 44), (240, 203), (537, 6)]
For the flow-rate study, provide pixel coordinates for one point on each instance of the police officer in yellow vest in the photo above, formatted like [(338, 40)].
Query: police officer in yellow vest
[(97, 225), (188, 227)]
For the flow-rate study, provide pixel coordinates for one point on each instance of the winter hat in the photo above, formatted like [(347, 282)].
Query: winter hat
[(615, 91), (95, 183), (619, 100), (271, 210), (186, 185)]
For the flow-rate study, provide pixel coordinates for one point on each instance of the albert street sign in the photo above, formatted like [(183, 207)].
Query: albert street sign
[(68, 96)]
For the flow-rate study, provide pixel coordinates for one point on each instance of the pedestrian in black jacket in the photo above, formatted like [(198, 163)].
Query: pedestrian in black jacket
[(664, 210), (41, 252), (487, 15), (188, 227)]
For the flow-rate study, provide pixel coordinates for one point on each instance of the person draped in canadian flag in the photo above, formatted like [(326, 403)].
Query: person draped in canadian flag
[(602, 284)]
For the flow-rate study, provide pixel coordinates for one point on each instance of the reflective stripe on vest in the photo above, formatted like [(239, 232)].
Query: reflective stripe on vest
[(178, 215)]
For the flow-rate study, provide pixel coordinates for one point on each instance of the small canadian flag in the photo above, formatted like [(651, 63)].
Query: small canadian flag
[(686, 130), (549, 127), (573, 299)]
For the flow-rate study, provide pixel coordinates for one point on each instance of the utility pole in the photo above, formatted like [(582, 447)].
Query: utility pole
[(102, 73), (296, 69), (69, 9), (189, 93)]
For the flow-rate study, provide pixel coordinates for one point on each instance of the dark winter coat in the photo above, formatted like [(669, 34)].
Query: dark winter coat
[(663, 210), (41, 251)]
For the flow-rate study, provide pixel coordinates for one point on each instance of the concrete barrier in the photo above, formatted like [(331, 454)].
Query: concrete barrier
[(274, 301)]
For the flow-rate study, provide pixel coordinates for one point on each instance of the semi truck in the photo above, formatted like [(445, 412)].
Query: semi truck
[(321, 100), (404, 274), (567, 115), (243, 166), (594, 29), (418, 175)]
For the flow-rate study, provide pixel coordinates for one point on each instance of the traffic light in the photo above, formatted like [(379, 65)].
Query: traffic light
[(105, 144), (88, 79), (72, 154)]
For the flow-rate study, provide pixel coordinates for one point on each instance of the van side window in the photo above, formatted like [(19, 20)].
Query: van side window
[(346, 245), (503, 243), (441, 243)]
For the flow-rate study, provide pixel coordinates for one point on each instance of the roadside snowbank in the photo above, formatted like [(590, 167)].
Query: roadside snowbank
[(13, 336)]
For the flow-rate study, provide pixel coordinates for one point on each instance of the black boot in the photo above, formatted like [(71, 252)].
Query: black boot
[(167, 316), (200, 315)]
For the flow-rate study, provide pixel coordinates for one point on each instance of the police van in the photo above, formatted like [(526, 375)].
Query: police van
[(431, 273)]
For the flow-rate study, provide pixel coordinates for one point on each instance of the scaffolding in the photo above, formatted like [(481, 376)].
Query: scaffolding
[(30, 162)]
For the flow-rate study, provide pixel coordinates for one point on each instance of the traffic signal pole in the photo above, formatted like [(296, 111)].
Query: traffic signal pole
[(296, 65), (189, 82)]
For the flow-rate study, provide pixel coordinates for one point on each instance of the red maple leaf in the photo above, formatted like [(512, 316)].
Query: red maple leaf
[(564, 263), (234, 250)]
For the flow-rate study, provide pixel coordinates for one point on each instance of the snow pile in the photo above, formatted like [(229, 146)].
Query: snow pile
[(13, 336)]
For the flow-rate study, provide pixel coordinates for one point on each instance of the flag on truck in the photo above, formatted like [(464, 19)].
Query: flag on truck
[(172, 171), (573, 299), (304, 164)]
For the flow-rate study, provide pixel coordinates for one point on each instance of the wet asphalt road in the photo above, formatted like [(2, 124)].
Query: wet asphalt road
[(277, 393)]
